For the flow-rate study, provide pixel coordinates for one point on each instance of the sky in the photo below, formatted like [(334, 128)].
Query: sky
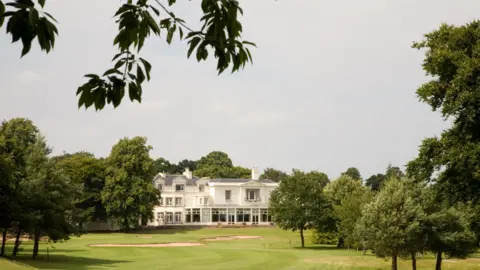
[(332, 85)]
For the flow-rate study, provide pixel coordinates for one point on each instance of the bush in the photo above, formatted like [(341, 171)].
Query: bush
[(323, 238)]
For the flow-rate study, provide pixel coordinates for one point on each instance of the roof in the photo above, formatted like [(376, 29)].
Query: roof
[(238, 180), (192, 182)]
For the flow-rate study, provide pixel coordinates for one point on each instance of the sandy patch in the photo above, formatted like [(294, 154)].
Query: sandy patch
[(144, 237), (150, 245), (229, 238)]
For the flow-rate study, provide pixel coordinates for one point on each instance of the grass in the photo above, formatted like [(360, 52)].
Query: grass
[(277, 250)]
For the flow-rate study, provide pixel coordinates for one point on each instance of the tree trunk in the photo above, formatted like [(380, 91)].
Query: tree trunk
[(414, 261), (364, 250), (4, 241), (394, 262), (301, 236), (125, 225), (340, 243), (438, 264), (35, 245), (17, 242)]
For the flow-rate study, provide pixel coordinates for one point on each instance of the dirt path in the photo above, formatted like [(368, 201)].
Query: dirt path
[(149, 245), (229, 238)]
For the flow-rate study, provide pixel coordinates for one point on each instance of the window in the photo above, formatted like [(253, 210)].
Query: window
[(178, 217), (160, 187), (178, 201), (169, 217), (228, 195), (160, 217), (169, 201), (201, 201), (253, 195), (201, 188), (196, 215), (160, 201), (205, 201), (179, 187)]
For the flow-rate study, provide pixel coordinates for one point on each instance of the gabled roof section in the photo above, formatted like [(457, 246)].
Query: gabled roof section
[(240, 181), (169, 179)]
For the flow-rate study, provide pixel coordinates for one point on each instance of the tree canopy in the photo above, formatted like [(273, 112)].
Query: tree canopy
[(220, 34), (129, 195), (452, 160), (299, 204), (353, 173)]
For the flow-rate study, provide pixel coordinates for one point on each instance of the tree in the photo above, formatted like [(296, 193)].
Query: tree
[(215, 159), (129, 195), (48, 197), (190, 164), (336, 191), (348, 197), (17, 137), (391, 220), (394, 172), (375, 181), (137, 20), (299, 204), (320, 177), (353, 173), (273, 174), (452, 160), (87, 173)]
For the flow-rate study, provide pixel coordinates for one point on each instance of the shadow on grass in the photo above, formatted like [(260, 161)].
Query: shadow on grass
[(65, 262), (319, 248), (28, 247)]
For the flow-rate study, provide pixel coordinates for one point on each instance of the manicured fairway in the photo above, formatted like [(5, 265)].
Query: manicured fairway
[(276, 250)]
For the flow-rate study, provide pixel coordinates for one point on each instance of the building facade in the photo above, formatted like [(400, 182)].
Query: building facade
[(187, 200)]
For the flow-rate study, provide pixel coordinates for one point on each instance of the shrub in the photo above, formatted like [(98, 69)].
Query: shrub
[(323, 238)]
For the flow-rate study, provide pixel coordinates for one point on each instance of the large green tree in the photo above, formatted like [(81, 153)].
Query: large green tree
[(220, 34), (347, 196), (87, 173), (48, 194), (452, 160), (129, 195), (391, 220), (17, 137), (299, 204)]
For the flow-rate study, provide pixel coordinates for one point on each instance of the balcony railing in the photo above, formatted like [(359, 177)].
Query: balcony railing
[(253, 200)]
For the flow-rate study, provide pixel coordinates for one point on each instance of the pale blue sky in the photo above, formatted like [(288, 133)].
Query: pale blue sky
[(333, 85)]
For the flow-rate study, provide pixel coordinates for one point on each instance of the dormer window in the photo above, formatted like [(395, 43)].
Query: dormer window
[(201, 188), (160, 187), (179, 187)]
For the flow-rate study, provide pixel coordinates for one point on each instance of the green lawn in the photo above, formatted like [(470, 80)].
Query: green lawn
[(277, 250)]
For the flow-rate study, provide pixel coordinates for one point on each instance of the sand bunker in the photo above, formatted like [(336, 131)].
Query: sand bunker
[(229, 238), (150, 245), (144, 237)]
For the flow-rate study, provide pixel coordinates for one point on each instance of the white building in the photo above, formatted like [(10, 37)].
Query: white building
[(187, 200)]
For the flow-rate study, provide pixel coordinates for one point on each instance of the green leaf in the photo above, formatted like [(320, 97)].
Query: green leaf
[(50, 16), (180, 32), (155, 10), (147, 66), (249, 43), (165, 23), (2, 11), (116, 56), (151, 22), (33, 16), (171, 31), (193, 43), (112, 71), (42, 3), (140, 75), (93, 76), (171, 2), (120, 63)]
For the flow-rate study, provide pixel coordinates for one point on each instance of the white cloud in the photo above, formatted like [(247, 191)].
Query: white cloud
[(27, 77)]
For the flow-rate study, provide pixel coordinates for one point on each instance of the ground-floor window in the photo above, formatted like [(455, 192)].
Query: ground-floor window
[(231, 215), (196, 215), (219, 215), (178, 217), (264, 215), (206, 215), (243, 214), (169, 217), (188, 216)]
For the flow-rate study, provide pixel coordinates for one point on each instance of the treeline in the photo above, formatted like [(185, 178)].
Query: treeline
[(402, 218), (51, 198)]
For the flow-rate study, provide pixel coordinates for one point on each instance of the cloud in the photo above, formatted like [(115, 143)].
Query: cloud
[(27, 77)]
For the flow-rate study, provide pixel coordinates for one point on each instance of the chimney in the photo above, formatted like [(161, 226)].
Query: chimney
[(255, 174), (187, 173)]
